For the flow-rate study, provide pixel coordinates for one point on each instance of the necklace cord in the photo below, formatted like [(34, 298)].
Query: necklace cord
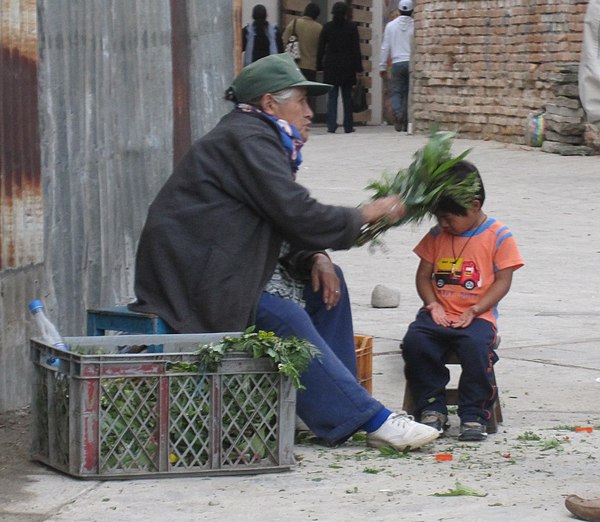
[(455, 258)]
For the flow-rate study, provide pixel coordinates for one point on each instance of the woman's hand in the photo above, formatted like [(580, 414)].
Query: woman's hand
[(391, 207), (323, 277)]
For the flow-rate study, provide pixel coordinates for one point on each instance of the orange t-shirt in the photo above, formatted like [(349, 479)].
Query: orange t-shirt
[(464, 265)]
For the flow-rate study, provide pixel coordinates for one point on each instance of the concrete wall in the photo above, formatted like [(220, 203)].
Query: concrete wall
[(481, 66)]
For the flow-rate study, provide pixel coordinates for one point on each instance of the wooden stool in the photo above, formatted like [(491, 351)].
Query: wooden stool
[(452, 396), (121, 319)]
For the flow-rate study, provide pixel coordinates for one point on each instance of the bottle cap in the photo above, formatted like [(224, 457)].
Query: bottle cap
[(36, 304)]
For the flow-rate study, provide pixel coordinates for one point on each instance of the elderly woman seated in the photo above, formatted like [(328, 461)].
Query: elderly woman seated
[(232, 240)]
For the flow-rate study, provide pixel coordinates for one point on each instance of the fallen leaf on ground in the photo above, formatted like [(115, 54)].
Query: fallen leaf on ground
[(460, 490)]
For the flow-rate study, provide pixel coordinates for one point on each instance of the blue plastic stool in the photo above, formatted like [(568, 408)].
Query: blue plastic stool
[(121, 319)]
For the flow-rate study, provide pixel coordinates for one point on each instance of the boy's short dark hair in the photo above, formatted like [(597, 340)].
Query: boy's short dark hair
[(459, 172)]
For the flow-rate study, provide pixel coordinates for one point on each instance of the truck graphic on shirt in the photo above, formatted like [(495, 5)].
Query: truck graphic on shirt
[(450, 271)]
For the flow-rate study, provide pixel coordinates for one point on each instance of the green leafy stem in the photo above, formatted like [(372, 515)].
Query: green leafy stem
[(291, 355), (422, 185)]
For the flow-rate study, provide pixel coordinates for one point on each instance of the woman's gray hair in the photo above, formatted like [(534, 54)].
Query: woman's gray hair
[(283, 96), (280, 97)]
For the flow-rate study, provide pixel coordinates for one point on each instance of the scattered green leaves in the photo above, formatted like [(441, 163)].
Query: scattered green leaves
[(529, 435), (566, 427), (393, 453), (552, 443), (460, 490), (359, 436)]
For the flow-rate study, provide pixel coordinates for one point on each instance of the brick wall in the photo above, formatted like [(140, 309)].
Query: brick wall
[(481, 66)]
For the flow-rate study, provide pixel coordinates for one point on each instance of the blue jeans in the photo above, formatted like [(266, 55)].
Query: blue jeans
[(400, 82), (425, 349), (334, 405), (332, 103)]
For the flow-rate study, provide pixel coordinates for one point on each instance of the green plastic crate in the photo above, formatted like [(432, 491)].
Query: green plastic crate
[(104, 415)]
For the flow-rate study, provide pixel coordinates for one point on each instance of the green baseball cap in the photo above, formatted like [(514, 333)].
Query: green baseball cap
[(272, 73)]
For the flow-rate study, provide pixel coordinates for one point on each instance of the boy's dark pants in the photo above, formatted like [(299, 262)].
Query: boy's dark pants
[(426, 348)]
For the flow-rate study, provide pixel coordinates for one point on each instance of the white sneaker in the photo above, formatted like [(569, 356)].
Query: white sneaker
[(401, 432)]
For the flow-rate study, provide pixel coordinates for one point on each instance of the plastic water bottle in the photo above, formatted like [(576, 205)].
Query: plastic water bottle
[(48, 331)]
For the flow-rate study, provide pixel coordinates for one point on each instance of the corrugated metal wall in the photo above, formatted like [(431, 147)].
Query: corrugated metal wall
[(20, 187), (212, 60), (105, 93), (21, 211), (108, 120)]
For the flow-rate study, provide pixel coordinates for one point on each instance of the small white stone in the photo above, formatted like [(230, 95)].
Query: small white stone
[(385, 297)]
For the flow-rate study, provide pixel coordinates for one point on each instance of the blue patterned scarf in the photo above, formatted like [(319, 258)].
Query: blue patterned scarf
[(290, 136)]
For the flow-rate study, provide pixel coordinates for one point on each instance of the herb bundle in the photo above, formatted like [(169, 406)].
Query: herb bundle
[(422, 185), (291, 355)]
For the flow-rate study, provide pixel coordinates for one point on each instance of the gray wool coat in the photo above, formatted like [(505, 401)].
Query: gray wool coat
[(213, 234)]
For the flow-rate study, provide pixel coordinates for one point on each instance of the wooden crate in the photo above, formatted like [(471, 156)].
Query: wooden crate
[(363, 345)]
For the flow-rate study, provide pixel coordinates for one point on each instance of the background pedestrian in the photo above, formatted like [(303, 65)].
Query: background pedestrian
[(397, 46), (260, 38), (340, 60)]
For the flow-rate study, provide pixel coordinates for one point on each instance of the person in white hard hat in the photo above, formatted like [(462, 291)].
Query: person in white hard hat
[(397, 45)]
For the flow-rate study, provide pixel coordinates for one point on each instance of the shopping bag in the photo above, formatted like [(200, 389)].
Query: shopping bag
[(359, 97), (292, 46)]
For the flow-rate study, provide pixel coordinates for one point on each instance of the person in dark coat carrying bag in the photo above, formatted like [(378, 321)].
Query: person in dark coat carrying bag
[(340, 60), (230, 211)]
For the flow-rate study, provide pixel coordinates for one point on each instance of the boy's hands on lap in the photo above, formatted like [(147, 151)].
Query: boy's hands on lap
[(438, 314), (466, 318)]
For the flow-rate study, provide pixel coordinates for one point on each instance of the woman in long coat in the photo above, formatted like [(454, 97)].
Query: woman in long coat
[(340, 60)]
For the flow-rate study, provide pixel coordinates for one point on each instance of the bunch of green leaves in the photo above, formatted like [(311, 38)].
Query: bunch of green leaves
[(422, 185), (291, 355)]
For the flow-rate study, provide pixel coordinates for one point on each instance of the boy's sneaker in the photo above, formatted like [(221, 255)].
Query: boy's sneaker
[(472, 431), (401, 432), (435, 419)]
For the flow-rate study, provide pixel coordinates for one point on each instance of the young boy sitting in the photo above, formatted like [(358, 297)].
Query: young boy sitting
[(466, 268)]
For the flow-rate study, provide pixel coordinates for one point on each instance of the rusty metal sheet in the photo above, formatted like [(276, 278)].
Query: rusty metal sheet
[(21, 216)]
